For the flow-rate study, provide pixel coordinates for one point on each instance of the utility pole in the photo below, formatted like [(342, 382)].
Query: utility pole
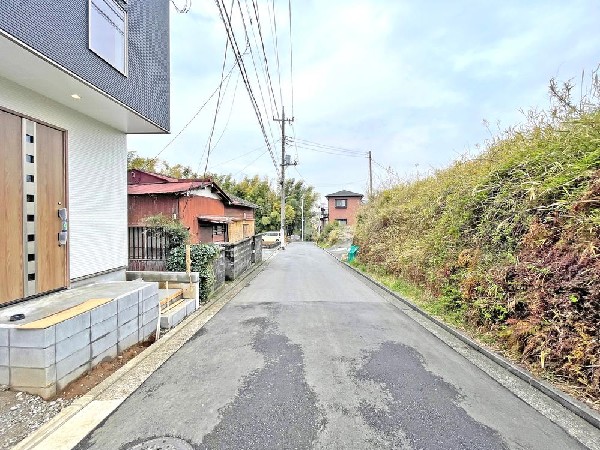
[(302, 235), (284, 163), (370, 176)]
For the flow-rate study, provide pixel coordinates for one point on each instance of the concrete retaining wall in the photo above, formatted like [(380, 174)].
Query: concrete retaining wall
[(219, 270), (257, 248), (44, 360), (238, 258)]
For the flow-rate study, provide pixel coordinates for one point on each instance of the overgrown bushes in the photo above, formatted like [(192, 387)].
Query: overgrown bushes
[(176, 232), (202, 256), (508, 241), (330, 234)]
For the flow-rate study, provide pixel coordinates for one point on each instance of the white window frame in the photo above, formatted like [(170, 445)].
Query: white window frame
[(345, 203), (117, 4)]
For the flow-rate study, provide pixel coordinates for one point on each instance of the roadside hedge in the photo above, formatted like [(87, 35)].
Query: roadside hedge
[(202, 256), (508, 242)]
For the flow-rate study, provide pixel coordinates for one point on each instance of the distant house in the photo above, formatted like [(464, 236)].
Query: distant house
[(77, 76), (343, 206), (211, 214)]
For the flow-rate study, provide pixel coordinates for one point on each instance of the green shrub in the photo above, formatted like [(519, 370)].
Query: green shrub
[(177, 232), (202, 256), (507, 241), (330, 234)]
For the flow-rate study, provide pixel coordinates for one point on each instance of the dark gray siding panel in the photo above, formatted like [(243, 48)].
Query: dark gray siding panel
[(59, 30)]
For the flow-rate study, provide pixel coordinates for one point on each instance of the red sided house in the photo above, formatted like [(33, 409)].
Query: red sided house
[(343, 206), (211, 214)]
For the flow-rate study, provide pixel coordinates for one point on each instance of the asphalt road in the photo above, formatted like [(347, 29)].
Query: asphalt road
[(309, 355)]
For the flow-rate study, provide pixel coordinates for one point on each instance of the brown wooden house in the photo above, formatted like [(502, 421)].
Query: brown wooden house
[(211, 214)]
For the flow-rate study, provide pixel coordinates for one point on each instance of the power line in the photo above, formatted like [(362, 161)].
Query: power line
[(291, 56), (274, 31), (230, 111), (294, 140), (229, 29), (262, 43), (254, 65), (240, 156), (186, 8), (218, 107), (270, 91), (329, 147), (193, 117), (331, 152), (253, 161), (389, 170)]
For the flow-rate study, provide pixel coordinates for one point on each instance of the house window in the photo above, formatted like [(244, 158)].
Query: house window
[(342, 221), (246, 229), (218, 230), (108, 33), (341, 203)]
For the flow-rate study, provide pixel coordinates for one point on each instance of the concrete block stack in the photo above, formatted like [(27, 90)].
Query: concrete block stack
[(44, 360)]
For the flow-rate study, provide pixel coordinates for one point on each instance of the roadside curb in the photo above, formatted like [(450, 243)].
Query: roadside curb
[(84, 414), (572, 404)]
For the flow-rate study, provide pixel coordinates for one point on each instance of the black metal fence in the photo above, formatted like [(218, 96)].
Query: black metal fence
[(148, 243)]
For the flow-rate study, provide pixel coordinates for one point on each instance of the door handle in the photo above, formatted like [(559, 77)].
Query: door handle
[(64, 226)]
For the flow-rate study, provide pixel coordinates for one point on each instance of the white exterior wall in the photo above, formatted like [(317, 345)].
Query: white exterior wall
[(97, 180)]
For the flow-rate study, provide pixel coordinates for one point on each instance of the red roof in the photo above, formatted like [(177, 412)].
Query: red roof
[(165, 188)]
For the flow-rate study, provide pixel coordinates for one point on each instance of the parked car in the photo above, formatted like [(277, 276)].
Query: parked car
[(271, 238)]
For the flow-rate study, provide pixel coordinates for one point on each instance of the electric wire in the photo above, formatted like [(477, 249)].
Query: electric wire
[(331, 152), (389, 170), (186, 8), (294, 141), (218, 106), (274, 32), (253, 161), (240, 156), (272, 100), (262, 97), (262, 43), (230, 112), (229, 29), (291, 56), (193, 117), (329, 147)]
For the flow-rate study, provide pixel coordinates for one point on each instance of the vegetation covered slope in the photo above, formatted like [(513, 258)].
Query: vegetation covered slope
[(507, 242)]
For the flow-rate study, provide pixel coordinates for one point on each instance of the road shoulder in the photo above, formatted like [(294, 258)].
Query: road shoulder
[(77, 420), (571, 415)]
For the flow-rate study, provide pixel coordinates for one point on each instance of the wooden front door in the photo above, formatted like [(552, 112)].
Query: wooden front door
[(32, 189), (51, 256), (11, 207)]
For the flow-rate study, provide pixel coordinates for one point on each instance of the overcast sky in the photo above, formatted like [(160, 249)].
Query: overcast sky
[(412, 81)]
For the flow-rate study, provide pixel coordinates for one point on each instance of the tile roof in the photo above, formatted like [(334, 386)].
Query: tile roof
[(344, 194), (241, 202), (165, 188)]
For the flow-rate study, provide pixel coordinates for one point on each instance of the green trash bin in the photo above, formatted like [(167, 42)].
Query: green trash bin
[(352, 252)]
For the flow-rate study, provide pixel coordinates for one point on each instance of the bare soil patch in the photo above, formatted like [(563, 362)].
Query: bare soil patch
[(22, 413)]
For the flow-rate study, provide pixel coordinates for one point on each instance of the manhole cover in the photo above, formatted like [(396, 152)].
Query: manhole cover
[(162, 443)]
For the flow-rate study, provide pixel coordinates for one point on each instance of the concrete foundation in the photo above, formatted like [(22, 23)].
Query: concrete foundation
[(65, 334)]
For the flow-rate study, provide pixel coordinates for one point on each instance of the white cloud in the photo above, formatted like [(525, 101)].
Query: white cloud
[(410, 81)]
